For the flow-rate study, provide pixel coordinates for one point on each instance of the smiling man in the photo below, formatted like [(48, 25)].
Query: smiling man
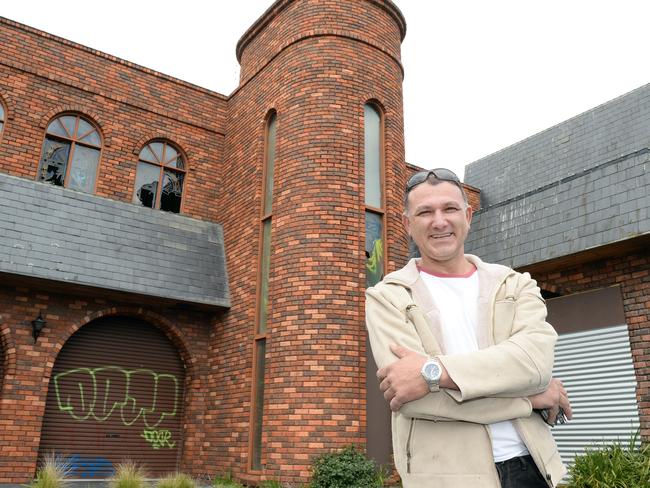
[(465, 356)]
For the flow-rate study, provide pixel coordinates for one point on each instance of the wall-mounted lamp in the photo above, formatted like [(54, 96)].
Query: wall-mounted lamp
[(37, 326)]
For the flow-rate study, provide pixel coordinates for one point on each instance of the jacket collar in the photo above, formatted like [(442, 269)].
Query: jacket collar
[(490, 278)]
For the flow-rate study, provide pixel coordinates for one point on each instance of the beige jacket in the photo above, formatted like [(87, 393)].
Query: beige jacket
[(442, 439)]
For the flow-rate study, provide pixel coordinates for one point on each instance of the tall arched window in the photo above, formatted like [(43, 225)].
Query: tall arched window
[(160, 176), (70, 155), (261, 322), (2, 118), (374, 198)]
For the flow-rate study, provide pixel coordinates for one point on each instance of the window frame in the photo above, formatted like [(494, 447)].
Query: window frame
[(3, 119), (74, 141), (255, 444), (380, 211), (184, 170)]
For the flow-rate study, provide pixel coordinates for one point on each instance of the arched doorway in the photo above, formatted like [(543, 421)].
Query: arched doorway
[(116, 393)]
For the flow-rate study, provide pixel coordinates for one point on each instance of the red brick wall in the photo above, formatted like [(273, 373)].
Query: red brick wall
[(315, 383), (317, 63), (631, 272), (28, 367), (42, 75)]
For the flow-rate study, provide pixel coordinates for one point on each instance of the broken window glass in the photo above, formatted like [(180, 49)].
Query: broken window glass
[(70, 155), (54, 161), (146, 184), (159, 177)]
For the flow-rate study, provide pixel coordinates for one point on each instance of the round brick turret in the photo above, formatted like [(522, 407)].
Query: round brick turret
[(316, 63)]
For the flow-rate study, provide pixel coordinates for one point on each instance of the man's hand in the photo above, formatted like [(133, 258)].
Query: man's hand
[(401, 381), (554, 398)]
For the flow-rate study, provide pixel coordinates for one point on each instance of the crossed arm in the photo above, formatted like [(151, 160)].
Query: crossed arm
[(482, 391)]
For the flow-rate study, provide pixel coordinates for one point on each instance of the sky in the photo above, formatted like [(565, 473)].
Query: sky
[(479, 75)]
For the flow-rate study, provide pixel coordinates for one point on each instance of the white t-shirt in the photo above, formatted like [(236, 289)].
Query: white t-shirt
[(457, 300)]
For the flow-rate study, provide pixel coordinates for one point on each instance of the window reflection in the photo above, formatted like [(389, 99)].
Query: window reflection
[(70, 154)]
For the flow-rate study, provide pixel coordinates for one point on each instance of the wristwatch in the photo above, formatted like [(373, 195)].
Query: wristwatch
[(431, 372)]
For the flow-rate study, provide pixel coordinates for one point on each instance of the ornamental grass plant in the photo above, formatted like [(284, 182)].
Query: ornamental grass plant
[(226, 482), (612, 466), (128, 475), (176, 480), (53, 473)]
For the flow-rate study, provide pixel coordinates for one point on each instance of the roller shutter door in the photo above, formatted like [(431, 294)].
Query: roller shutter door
[(597, 371), (594, 361), (116, 393)]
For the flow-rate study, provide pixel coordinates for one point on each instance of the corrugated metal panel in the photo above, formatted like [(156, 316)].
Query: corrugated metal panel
[(116, 393), (597, 371)]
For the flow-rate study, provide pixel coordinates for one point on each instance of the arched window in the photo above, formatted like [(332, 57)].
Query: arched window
[(2, 118), (70, 155), (374, 197), (160, 176)]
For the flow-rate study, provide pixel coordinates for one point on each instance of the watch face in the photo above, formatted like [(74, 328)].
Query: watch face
[(432, 370)]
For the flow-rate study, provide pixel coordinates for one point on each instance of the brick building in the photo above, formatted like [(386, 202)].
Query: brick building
[(183, 271)]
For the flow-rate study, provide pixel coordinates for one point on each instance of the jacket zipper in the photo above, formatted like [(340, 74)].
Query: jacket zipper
[(408, 446)]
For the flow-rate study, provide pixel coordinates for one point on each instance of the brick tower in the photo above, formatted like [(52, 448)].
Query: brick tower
[(308, 69)]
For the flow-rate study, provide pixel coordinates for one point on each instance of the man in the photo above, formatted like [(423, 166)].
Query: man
[(464, 355)]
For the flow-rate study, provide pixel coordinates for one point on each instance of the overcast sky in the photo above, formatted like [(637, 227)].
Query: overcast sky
[(480, 75)]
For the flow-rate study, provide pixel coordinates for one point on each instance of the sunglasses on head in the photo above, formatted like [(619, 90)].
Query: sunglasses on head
[(441, 174)]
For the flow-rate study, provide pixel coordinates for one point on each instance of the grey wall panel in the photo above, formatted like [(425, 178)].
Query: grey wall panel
[(596, 207), (63, 235)]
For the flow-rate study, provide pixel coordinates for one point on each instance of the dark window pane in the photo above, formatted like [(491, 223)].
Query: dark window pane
[(265, 267), (2, 113), (372, 146), (172, 191), (258, 412), (146, 184), (56, 128), (270, 165), (374, 249), (83, 168), (1, 126), (54, 161)]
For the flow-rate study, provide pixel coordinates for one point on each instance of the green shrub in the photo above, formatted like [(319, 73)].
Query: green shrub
[(348, 468), (613, 466), (226, 482), (53, 473), (176, 480), (128, 475)]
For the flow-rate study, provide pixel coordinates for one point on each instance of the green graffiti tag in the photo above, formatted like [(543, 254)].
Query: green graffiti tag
[(158, 438), (99, 393)]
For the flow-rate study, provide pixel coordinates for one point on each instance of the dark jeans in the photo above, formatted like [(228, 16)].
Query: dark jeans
[(520, 472)]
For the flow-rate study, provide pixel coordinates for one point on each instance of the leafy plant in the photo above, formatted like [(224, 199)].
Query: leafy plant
[(53, 473), (226, 482), (128, 475), (176, 480), (613, 466), (347, 468)]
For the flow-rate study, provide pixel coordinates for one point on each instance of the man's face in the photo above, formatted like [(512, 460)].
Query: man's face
[(438, 222)]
